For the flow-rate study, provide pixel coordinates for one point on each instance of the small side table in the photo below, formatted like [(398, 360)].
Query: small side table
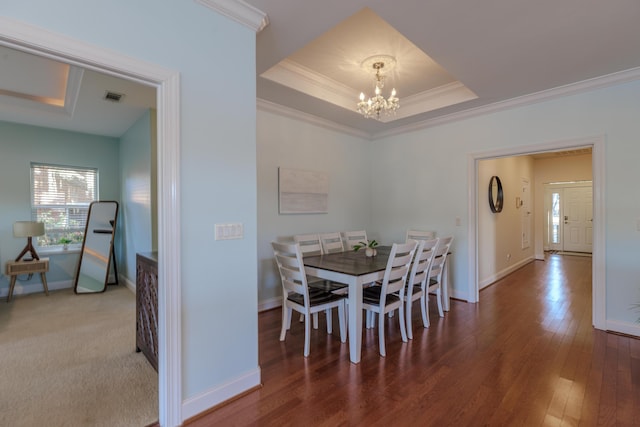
[(14, 268)]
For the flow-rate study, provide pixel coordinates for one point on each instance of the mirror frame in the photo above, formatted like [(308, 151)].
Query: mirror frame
[(110, 255), (496, 201)]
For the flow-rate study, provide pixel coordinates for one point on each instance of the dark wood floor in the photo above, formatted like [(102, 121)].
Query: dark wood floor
[(525, 355)]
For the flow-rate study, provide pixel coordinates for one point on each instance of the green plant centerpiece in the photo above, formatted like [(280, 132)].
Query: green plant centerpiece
[(370, 248)]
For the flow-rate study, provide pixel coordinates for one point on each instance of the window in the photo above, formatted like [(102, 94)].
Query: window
[(60, 197)]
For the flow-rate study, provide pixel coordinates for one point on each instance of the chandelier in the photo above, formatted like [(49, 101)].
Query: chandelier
[(374, 107)]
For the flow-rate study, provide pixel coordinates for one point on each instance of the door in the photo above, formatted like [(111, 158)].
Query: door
[(525, 213), (578, 219)]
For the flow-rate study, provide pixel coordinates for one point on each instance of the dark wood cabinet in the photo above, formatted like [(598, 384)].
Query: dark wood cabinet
[(147, 306)]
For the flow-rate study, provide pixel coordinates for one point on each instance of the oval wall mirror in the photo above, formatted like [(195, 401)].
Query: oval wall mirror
[(496, 197)]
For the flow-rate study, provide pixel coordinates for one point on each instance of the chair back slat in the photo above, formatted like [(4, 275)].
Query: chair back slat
[(440, 257), (352, 238), (420, 235), (291, 267), (309, 244), (395, 275), (421, 264), (331, 242)]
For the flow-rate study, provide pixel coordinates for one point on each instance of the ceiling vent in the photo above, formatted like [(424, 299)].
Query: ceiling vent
[(113, 96)]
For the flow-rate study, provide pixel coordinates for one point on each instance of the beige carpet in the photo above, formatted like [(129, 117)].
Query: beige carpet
[(70, 360)]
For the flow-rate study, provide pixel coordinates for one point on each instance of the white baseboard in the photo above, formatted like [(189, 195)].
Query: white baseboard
[(202, 402), (34, 288), (128, 283), (628, 328), (499, 275), (270, 303)]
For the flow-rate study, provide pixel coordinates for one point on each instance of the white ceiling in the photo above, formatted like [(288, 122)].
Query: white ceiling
[(503, 51), (41, 92), (454, 58)]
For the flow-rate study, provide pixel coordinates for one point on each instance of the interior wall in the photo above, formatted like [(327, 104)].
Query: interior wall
[(437, 158), (19, 146), (556, 169), (217, 170), (135, 212), (500, 248), (291, 143)]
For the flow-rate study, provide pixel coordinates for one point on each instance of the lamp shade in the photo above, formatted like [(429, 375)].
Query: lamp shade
[(28, 228)]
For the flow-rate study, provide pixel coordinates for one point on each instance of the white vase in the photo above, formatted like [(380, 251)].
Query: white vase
[(369, 252)]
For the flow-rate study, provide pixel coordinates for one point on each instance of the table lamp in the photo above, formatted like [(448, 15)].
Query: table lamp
[(28, 229)]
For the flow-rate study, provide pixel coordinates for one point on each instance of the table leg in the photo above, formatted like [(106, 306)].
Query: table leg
[(43, 276), (355, 321), (11, 286)]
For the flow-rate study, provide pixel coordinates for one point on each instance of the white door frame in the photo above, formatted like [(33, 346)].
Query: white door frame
[(38, 41), (598, 166)]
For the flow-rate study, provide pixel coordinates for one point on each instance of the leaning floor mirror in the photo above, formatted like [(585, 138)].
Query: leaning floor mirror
[(97, 257)]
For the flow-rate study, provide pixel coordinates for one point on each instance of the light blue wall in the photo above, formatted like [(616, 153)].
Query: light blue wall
[(135, 216), (437, 157), (216, 60), (285, 142), (19, 146)]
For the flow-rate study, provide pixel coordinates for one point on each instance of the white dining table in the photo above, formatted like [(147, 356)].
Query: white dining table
[(354, 269)]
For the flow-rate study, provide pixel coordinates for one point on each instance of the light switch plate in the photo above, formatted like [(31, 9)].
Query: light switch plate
[(229, 231)]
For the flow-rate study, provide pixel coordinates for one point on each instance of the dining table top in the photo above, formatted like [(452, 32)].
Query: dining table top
[(354, 263)]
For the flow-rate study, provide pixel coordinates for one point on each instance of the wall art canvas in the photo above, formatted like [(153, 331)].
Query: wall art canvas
[(303, 191)]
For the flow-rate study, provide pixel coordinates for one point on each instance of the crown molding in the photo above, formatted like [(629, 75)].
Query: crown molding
[(292, 113), (240, 12), (545, 95), (433, 99), (295, 76)]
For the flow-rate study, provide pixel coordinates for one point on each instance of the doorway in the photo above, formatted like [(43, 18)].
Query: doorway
[(26, 38), (568, 217), (596, 143)]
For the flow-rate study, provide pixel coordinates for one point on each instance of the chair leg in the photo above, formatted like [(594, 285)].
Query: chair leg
[(401, 319), (307, 334), (383, 353), (409, 321), (426, 307), (371, 319), (315, 320), (423, 304), (341, 321), (329, 313), (285, 321), (439, 298)]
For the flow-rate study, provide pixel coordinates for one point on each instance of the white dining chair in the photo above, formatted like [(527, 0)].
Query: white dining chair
[(389, 296), (297, 296), (417, 281), (419, 235), (352, 238), (435, 273), (331, 242)]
